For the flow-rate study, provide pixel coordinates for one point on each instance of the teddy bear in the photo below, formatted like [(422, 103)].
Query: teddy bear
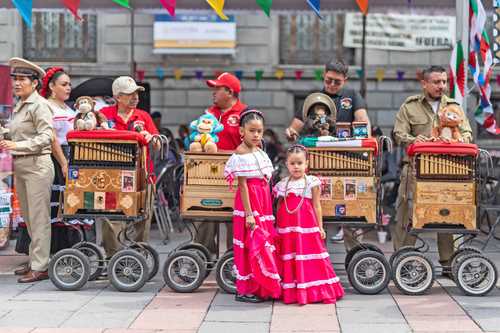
[(450, 118), (87, 119), (204, 134)]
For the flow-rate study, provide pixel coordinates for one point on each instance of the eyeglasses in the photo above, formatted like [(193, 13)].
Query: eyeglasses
[(335, 82)]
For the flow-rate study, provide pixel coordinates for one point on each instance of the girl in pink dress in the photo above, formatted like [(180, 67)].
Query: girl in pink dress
[(255, 258), (307, 273)]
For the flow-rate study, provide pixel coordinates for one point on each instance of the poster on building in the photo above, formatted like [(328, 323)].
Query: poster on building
[(187, 34), (400, 32)]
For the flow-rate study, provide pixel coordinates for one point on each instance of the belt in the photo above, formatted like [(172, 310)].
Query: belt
[(27, 155)]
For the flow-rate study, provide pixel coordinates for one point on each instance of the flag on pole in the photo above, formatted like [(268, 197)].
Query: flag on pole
[(266, 6), (25, 7), (457, 73), (123, 3), (315, 6)]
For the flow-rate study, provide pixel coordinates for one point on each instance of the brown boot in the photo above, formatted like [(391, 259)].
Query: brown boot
[(23, 269), (34, 276)]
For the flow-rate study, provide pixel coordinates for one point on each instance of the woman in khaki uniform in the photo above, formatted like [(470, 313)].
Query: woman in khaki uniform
[(31, 135)]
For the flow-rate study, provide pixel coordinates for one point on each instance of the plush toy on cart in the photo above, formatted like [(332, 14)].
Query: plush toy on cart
[(319, 113), (204, 134), (87, 119), (450, 119)]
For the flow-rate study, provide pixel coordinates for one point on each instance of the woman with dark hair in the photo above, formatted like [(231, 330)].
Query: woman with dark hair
[(31, 135)]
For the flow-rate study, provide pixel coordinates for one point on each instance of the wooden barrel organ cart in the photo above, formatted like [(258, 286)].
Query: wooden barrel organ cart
[(205, 198), (444, 199), (351, 197), (107, 181)]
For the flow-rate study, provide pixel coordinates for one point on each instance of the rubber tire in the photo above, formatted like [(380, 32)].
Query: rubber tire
[(94, 274), (202, 252), (218, 273), (362, 255), (458, 281), (200, 266), (360, 247), (83, 260), (145, 247), (115, 280), (404, 257), (458, 255), (401, 250)]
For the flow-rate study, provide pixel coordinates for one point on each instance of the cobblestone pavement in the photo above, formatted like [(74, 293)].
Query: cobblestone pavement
[(98, 308)]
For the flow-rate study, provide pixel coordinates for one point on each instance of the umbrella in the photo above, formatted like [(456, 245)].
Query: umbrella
[(100, 86)]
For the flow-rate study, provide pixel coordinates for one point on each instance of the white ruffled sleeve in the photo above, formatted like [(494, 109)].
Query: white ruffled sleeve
[(231, 169), (313, 181), (279, 189)]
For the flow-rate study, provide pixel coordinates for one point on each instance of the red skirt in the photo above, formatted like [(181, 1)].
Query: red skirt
[(255, 256), (307, 273)]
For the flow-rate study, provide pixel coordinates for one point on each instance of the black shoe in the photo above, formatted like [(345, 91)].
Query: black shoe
[(248, 299)]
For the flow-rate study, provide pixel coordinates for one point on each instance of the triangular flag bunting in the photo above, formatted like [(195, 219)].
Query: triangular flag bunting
[(238, 74), (259, 74), (298, 74), (218, 7), (73, 6), (266, 6), (25, 8), (139, 75), (363, 6), (160, 73), (280, 74), (380, 74), (400, 75), (169, 6), (198, 74), (315, 6), (178, 73), (498, 79), (318, 74), (359, 72), (123, 3)]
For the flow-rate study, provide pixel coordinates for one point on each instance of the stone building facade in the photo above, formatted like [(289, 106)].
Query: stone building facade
[(258, 47)]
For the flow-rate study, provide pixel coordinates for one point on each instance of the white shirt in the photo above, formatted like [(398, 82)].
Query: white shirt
[(297, 186), (435, 106), (251, 165), (63, 119)]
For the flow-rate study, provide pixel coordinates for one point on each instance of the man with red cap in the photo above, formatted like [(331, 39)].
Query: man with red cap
[(227, 108)]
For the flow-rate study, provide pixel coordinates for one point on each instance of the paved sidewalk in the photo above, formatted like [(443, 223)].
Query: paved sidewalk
[(40, 307)]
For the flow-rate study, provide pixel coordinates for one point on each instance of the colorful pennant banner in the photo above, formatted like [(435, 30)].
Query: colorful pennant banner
[(73, 6), (318, 74), (315, 6), (280, 74), (123, 3), (266, 6), (160, 73), (298, 74), (363, 6), (25, 7), (259, 74), (218, 7), (169, 6)]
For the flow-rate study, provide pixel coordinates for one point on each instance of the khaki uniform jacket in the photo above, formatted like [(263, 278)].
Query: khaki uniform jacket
[(416, 117), (31, 126)]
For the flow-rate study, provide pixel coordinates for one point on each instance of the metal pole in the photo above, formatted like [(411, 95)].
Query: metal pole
[(132, 43), (363, 59), (462, 33)]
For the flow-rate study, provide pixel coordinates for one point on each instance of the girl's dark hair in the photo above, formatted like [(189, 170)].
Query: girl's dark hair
[(249, 115), (53, 74), (297, 149)]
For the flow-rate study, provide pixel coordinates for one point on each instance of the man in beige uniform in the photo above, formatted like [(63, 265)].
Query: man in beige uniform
[(31, 134), (414, 123)]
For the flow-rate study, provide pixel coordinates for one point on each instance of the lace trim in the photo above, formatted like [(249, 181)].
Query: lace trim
[(265, 272), (238, 243), (241, 277), (310, 284), (298, 230), (300, 257), (255, 213)]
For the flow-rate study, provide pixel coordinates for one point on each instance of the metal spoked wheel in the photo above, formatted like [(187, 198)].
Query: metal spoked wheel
[(360, 247), (225, 273), (369, 272), (95, 256), (475, 274), (398, 253), (459, 254), (413, 273), (184, 271), (69, 270), (202, 252), (128, 270), (151, 255)]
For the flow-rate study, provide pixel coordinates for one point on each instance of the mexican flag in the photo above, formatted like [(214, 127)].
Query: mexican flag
[(457, 73)]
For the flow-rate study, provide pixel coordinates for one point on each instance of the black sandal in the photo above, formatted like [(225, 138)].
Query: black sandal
[(248, 299)]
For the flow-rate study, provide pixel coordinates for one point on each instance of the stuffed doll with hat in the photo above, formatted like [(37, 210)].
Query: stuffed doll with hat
[(87, 119), (204, 134)]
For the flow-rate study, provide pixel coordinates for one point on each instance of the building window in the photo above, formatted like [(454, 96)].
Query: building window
[(59, 37), (307, 40)]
